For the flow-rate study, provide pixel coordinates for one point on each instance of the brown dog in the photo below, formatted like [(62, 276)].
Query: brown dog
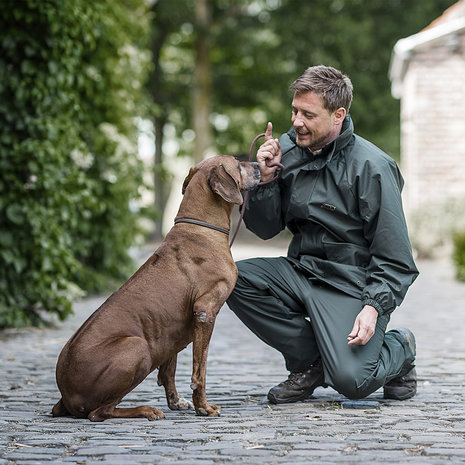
[(172, 300)]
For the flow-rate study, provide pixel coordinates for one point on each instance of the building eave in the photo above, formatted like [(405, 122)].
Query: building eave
[(426, 39)]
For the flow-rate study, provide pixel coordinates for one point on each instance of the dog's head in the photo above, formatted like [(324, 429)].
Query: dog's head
[(227, 176)]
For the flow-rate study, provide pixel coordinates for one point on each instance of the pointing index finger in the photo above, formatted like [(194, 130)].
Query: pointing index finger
[(268, 133)]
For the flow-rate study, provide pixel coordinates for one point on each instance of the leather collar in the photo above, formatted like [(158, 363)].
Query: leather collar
[(202, 223)]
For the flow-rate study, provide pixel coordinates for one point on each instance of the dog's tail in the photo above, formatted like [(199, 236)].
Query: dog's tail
[(59, 410)]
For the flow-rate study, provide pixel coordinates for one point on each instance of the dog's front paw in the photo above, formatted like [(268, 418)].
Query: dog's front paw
[(181, 404), (211, 410)]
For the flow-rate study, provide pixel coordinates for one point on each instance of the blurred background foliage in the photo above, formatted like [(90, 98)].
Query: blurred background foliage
[(257, 48), (77, 76), (222, 68)]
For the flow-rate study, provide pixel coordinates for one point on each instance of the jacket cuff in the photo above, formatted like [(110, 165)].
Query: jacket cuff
[(374, 304), (264, 191)]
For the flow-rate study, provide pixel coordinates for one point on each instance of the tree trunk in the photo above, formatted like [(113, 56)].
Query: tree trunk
[(201, 92), (159, 121), (158, 178)]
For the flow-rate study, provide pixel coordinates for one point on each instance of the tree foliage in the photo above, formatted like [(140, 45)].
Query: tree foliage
[(357, 37), (257, 48), (70, 87)]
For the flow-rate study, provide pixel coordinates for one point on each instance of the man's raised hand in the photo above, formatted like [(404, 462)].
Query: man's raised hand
[(268, 153)]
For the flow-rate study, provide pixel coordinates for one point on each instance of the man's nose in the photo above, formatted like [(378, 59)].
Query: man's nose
[(296, 121)]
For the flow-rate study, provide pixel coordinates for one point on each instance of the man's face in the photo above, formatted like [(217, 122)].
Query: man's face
[(314, 125)]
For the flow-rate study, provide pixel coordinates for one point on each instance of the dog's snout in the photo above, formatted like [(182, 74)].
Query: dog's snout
[(250, 175), (256, 170)]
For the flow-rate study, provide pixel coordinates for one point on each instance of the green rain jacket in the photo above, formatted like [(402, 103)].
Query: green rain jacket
[(344, 210)]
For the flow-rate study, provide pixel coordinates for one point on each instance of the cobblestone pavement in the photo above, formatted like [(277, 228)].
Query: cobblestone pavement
[(428, 429)]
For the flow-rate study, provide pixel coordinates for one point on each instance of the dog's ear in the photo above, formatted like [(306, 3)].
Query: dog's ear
[(225, 184), (192, 171)]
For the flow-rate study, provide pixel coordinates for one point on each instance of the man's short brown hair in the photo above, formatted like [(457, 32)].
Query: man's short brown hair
[(334, 87)]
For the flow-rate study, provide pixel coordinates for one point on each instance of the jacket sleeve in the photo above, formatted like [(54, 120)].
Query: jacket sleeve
[(391, 269), (263, 214)]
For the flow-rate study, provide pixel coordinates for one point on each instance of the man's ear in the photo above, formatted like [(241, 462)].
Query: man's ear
[(339, 115), (192, 171), (225, 185)]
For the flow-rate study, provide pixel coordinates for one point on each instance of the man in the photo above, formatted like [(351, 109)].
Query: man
[(326, 305)]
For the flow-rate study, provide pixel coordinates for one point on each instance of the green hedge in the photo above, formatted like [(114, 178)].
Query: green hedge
[(71, 77), (459, 255)]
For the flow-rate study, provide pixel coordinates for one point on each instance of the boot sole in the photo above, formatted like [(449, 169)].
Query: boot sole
[(406, 396)]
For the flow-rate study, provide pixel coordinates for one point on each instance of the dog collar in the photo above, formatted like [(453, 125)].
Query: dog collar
[(202, 223)]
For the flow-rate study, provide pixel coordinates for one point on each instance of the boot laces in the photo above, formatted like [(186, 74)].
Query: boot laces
[(294, 378)]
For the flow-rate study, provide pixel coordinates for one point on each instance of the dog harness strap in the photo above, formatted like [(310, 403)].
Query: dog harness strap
[(202, 223)]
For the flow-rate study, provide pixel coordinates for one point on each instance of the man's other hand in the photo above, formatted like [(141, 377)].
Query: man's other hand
[(364, 326)]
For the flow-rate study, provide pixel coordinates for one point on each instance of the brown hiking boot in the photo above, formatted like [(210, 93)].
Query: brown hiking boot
[(405, 386), (298, 386)]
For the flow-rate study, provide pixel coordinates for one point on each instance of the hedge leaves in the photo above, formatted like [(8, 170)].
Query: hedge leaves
[(71, 80)]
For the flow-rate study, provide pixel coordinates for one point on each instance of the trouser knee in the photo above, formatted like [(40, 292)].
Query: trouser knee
[(234, 301), (346, 384), (245, 293)]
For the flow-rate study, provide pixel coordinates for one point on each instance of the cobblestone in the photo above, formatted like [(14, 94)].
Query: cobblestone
[(328, 428)]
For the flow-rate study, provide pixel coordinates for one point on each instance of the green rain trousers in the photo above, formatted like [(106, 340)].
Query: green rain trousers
[(306, 319)]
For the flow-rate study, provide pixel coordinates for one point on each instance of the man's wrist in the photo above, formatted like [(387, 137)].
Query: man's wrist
[(269, 176), (373, 303), (370, 307)]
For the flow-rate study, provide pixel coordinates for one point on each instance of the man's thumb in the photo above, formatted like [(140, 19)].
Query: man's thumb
[(354, 331)]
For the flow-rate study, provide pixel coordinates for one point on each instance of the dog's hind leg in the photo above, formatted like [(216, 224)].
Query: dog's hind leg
[(166, 378), (130, 363), (125, 363)]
